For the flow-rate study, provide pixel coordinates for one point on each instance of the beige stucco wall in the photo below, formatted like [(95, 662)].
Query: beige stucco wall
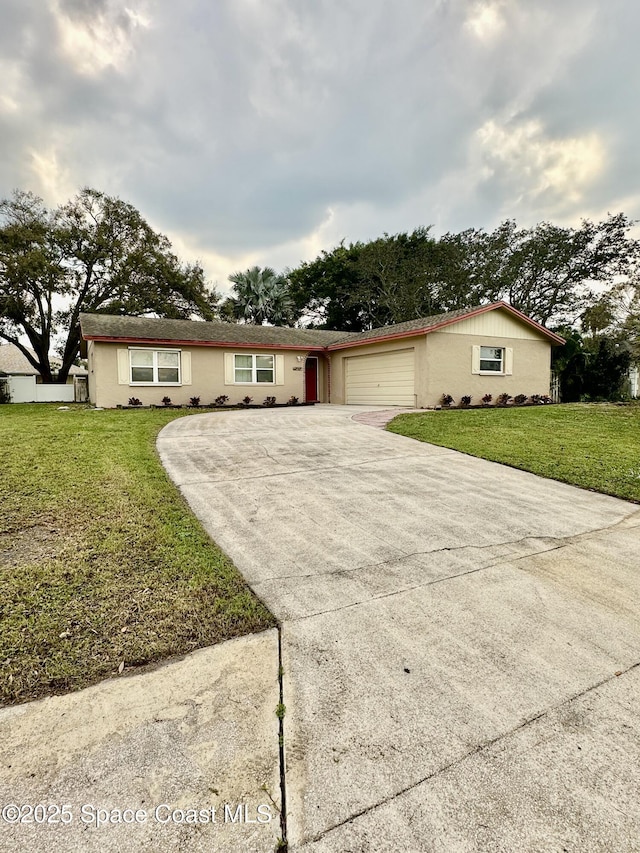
[(442, 365), (338, 366), (207, 378), (443, 360), (449, 364)]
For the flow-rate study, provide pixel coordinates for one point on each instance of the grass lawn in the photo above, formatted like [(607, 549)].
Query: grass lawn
[(596, 446), (102, 563)]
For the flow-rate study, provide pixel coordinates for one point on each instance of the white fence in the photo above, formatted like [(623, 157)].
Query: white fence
[(25, 389)]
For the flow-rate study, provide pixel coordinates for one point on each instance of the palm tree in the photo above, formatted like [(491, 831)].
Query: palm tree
[(261, 296)]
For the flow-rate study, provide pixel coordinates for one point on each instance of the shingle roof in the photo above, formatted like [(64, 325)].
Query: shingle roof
[(114, 328), (421, 324), (153, 329), (13, 362)]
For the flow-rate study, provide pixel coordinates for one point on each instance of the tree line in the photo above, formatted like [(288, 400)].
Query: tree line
[(551, 273), (97, 253)]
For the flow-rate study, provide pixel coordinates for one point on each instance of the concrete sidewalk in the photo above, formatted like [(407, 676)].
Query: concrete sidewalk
[(149, 762), (460, 639)]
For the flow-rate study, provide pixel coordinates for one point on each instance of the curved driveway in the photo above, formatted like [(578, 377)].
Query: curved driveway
[(460, 639)]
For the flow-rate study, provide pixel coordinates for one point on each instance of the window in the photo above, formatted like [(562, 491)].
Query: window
[(154, 367), (492, 359), (253, 369)]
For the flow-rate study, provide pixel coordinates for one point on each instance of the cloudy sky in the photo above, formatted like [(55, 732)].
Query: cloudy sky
[(263, 131)]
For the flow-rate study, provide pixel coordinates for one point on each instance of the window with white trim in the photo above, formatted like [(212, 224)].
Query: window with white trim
[(492, 359), (154, 367), (253, 369)]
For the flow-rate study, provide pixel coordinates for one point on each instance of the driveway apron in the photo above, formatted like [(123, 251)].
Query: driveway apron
[(460, 640)]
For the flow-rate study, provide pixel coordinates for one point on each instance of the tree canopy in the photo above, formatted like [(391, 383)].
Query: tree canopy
[(364, 285), (260, 296), (549, 272), (94, 253)]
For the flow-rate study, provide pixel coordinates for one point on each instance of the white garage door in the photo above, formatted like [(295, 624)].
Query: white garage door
[(382, 380)]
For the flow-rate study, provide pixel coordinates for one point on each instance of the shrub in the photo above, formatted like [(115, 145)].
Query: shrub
[(541, 399), (446, 400), (166, 401), (246, 401), (5, 396), (194, 401), (503, 399), (269, 401), (292, 401), (133, 401), (221, 400), (466, 400), (520, 399), (487, 399)]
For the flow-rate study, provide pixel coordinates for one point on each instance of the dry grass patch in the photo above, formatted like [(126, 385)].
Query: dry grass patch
[(103, 565)]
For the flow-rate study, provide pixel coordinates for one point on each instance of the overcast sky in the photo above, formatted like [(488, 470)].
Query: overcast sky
[(263, 131)]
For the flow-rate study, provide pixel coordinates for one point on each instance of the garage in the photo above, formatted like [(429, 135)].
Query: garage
[(384, 379)]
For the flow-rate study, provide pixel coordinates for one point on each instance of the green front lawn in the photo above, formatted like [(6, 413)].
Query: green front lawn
[(596, 446), (103, 566)]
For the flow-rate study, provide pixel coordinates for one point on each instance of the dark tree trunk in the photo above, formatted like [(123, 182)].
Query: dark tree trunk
[(71, 349)]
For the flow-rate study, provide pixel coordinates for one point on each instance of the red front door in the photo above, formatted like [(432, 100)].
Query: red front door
[(311, 380)]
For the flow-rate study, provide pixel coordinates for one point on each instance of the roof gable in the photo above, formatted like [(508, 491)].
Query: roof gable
[(425, 325), (497, 324)]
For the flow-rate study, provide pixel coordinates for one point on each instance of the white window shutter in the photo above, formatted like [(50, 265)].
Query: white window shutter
[(123, 367), (279, 364), (475, 359), (508, 362), (229, 373), (185, 358)]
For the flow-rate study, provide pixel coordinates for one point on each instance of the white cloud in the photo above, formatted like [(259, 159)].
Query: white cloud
[(534, 164), (12, 84), (93, 43), (486, 20), (51, 179)]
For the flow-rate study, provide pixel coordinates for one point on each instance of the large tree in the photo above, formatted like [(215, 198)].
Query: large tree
[(323, 289), (399, 278), (549, 272), (364, 285), (94, 253)]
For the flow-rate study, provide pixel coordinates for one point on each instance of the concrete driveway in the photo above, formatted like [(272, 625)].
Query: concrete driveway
[(460, 640)]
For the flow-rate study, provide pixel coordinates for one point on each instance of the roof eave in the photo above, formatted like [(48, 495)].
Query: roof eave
[(195, 343), (346, 344)]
